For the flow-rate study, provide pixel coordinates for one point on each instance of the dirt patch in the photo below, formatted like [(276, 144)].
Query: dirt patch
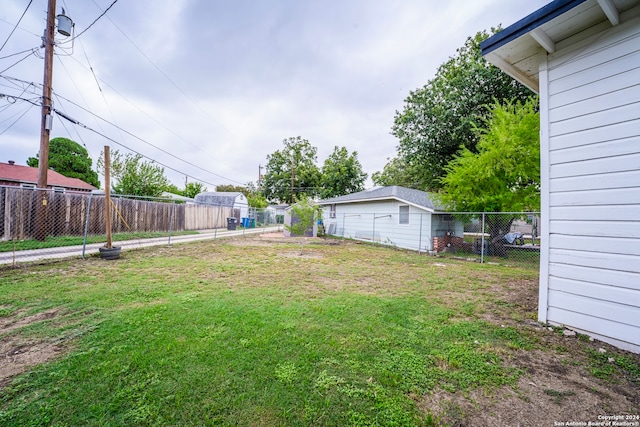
[(8, 324), (17, 353), (17, 356), (556, 384), (548, 393)]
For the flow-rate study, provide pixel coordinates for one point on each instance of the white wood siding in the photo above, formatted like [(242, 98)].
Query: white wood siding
[(379, 221), (591, 94)]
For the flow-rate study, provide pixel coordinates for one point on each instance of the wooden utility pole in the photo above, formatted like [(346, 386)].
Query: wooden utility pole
[(45, 128), (107, 193)]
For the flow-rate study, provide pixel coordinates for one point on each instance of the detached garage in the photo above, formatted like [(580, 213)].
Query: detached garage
[(583, 58)]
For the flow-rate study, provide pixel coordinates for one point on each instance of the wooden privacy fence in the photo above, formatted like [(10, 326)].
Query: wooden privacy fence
[(66, 214)]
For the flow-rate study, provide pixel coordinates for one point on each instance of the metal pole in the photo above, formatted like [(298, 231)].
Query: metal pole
[(482, 241), (373, 236), (420, 238), (86, 225)]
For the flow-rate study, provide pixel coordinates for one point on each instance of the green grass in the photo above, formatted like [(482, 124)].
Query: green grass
[(221, 333), (60, 241)]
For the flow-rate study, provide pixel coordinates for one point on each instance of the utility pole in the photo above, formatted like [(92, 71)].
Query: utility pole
[(45, 129)]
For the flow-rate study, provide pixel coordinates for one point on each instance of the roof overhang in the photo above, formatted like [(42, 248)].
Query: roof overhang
[(518, 49), (375, 199)]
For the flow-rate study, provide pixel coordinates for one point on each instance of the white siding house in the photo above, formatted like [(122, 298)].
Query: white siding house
[(583, 58), (394, 215)]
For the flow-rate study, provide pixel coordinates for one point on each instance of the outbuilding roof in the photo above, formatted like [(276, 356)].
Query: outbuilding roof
[(418, 198), (10, 172), (219, 198)]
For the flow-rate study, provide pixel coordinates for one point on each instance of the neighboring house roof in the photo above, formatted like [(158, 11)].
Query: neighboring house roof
[(28, 175), (221, 198), (516, 49), (420, 199)]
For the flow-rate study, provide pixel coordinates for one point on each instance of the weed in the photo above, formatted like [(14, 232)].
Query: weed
[(558, 397)]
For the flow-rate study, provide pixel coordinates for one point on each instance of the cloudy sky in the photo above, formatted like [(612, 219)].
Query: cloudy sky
[(210, 88)]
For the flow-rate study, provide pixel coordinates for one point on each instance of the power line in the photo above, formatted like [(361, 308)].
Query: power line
[(94, 21), (76, 122), (21, 52), (122, 130), (16, 26), (16, 63), (205, 112), (148, 143)]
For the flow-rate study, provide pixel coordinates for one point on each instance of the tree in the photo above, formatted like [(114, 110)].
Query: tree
[(397, 171), (504, 176), (304, 214), (192, 189), (341, 174), (230, 188), (70, 159), (440, 117), (135, 177), (298, 157)]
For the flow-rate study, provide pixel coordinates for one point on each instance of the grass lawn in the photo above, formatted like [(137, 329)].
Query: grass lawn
[(257, 332), (61, 241)]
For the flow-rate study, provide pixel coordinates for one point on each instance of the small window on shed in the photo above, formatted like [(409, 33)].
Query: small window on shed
[(403, 217), (332, 211), (28, 186)]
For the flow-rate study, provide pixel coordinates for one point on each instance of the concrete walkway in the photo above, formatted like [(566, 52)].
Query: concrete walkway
[(31, 255)]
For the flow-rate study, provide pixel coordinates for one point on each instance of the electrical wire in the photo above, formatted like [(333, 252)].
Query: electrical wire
[(19, 53), (15, 26), (204, 111), (148, 143), (58, 96), (76, 122), (94, 21), (16, 63), (29, 107)]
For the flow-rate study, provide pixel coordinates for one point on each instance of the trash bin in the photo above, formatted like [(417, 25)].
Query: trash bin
[(231, 223), (245, 222), (252, 222)]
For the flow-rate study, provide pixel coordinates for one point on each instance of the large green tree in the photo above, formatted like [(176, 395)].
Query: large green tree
[(135, 177), (440, 117), (70, 159), (341, 174), (298, 159), (397, 171), (504, 175)]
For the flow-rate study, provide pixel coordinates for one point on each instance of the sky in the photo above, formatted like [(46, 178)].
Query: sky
[(208, 89)]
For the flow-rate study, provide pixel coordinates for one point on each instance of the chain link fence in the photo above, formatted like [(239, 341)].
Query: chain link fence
[(38, 224), (510, 238)]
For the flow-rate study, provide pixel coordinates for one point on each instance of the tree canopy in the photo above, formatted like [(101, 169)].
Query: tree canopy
[(70, 159), (442, 116), (341, 174), (297, 158), (504, 175), (192, 189), (134, 176), (397, 171)]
